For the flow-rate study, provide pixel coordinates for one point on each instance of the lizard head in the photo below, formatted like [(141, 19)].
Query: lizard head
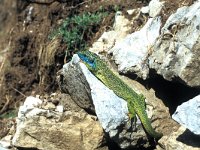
[(89, 59)]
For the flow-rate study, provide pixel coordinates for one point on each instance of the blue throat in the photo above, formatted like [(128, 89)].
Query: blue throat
[(87, 60)]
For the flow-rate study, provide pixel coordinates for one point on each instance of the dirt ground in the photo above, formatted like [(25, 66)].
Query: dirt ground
[(29, 60)]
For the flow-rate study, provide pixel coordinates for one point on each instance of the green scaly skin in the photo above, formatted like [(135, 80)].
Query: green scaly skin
[(136, 102)]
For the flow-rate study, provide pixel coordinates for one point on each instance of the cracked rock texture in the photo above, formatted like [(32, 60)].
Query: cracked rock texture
[(41, 126), (132, 53), (176, 53)]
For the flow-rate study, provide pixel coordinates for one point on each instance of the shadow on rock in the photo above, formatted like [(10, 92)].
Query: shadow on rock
[(189, 138)]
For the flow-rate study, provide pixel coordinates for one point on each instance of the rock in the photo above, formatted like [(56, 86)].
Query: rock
[(3, 128), (80, 97), (188, 114), (4, 145), (131, 54), (176, 53), (49, 106), (182, 139), (155, 7), (156, 110), (108, 106), (6, 142), (121, 28), (66, 103), (130, 11), (59, 108), (2, 148), (6, 138), (112, 110), (47, 129), (145, 10)]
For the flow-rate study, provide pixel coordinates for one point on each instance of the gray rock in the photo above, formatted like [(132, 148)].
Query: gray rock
[(176, 53), (188, 114), (81, 97), (131, 54)]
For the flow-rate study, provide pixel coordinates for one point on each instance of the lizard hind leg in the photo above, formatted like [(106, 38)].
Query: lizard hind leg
[(133, 117)]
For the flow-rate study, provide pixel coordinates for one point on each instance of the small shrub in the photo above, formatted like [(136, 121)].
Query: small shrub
[(9, 114), (76, 30)]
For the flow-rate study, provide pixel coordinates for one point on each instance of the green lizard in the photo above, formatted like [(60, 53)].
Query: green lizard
[(135, 102)]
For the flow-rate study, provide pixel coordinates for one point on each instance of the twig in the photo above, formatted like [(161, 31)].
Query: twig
[(44, 2), (18, 92), (1, 72), (8, 101), (5, 105), (72, 7)]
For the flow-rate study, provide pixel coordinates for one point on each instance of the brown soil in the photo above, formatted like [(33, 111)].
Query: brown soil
[(29, 61)]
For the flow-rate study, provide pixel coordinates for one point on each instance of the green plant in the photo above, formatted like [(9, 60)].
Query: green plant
[(9, 114), (78, 29)]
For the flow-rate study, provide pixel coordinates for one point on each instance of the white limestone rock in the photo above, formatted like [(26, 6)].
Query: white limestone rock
[(30, 109), (39, 128), (131, 11), (2, 148), (131, 54), (176, 53), (121, 28), (188, 115), (155, 7), (144, 10), (4, 145), (110, 109)]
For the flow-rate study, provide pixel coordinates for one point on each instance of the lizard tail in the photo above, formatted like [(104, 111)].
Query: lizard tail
[(147, 125)]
